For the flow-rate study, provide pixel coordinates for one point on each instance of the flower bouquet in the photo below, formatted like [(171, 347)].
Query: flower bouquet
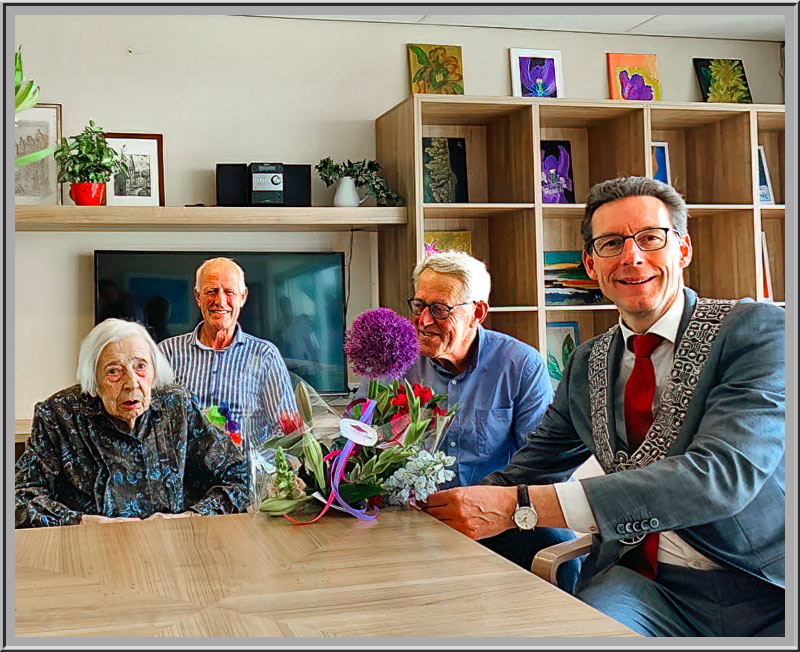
[(385, 445)]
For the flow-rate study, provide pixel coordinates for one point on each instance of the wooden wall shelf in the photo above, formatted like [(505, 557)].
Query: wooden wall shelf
[(205, 218)]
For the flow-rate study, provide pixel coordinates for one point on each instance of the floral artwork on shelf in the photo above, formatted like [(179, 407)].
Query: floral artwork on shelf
[(765, 195), (562, 340), (439, 241), (661, 162), (566, 282), (34, 130), (722, 80), (444, 170), (633, 76), (436, 69), (557, 186), (536, 73)]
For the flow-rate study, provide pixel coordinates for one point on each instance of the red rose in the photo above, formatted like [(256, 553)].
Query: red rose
[(424, 392), (401, 400)]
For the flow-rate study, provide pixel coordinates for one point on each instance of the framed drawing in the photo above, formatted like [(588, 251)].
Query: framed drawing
[(765, 195), (143, 185), (36, 129), (661, 162), (633, 76), (562, 340), (722, 80), (536, 73)]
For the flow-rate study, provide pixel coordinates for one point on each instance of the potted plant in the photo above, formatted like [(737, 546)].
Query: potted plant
[(26, 95), (354, 175), (87, 163)]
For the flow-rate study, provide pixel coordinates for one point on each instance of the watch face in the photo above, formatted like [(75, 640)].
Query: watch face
[(526, 518)]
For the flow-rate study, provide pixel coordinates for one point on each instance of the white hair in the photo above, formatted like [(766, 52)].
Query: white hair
[(114, 330), (475, 280), (217, 261)]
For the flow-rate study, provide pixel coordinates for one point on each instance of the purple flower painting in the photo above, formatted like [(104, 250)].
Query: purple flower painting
[(537, 77), (556, 173), (634, 87)]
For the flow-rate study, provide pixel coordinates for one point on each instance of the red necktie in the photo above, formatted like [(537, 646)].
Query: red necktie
[(639, 392)]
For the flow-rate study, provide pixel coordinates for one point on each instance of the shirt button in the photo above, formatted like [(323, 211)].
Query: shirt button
[(452, 444), (452, 382)]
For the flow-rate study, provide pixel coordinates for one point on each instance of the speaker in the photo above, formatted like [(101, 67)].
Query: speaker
[(296, 185), (232, 184)]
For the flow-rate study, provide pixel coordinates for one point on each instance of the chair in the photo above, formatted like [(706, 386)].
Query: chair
[(546, 562)]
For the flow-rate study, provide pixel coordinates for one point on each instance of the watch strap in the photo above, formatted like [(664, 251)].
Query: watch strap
[(523, 498)]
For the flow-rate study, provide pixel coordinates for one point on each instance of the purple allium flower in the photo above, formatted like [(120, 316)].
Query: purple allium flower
[(634, 88), (381, 344), (537, 77), (555, 177)]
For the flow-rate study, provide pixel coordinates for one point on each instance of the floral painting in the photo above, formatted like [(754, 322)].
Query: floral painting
[(722, 80), (536, 73), (562, 340), (436, 69), (438, 241), (444, 170), (557, 186), (633, 76)]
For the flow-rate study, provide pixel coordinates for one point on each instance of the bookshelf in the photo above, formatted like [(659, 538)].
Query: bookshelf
[(713, 152)]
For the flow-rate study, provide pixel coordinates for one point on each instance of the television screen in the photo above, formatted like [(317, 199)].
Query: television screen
[(295, 300)]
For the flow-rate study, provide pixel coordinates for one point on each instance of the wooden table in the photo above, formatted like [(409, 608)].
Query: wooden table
[(250, 575)]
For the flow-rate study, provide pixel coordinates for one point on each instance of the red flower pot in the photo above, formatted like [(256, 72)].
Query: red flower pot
[(88, 193)]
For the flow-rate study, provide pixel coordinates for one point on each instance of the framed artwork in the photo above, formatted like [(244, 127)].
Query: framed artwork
[(562, 340), (765, 268), (36, 129), (436, 69), (722, 80), (444, 170), (633, 76), (143, 185), (536, 73), (557, 186), (438, 241), (765, 195), (566, 282), (661, 162)]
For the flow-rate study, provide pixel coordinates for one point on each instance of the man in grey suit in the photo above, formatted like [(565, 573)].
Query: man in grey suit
[(683, 404)]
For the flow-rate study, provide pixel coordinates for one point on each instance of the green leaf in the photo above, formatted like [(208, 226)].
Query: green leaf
[(279, 506), (312, 452), (553, 367), (567, 347), (353, 492), (32, 157), (26, 98), (458, 88), (418, 75), (422, 58)]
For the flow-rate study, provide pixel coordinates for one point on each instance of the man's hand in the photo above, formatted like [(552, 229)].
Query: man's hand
[(479, 511), (96, 519)]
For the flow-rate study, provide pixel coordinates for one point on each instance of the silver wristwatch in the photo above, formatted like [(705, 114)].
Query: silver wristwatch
[(525, 515)]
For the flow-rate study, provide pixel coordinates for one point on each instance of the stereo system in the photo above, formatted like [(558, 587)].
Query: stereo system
[(263, 184)]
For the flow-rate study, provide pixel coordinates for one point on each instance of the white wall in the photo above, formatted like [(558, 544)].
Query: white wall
[(238, 89)]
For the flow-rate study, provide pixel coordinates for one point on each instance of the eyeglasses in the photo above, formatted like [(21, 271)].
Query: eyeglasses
[(652, 239), (439, 311)]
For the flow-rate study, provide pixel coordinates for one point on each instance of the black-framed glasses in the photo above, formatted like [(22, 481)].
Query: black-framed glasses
[(439, 310), (652, 239)]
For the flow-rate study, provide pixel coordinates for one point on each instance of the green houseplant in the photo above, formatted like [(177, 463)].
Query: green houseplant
[(362, 174), (26, 95), (87, 162)]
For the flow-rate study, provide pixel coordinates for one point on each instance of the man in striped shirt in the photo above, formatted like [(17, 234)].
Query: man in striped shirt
[(219, 362)]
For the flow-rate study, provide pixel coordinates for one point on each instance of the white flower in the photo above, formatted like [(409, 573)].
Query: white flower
[(419, 477)]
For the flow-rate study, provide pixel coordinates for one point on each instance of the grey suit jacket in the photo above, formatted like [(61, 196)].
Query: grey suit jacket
[(721, 486)]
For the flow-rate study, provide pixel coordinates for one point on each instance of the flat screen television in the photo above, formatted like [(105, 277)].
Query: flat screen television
[(295, 300)]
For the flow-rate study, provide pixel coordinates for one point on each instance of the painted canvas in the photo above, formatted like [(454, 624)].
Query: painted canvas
[(562, 340), (536, 73), (438, 241), (436, 69), (722, 80), (566, 282), (444, 170), (765, 195), (633, 76), (557, 186), (661, 162)]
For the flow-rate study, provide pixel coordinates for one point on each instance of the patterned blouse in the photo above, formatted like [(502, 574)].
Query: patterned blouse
[(77, 461)]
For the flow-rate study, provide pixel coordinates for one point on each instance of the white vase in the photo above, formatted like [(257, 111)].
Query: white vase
[(346, 193)]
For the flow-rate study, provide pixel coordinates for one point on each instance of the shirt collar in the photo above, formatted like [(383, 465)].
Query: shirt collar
[(238, 338), (475, 354), (667, 327)]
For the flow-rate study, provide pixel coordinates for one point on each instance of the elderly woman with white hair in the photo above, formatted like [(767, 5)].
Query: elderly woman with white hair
[(125, 443)]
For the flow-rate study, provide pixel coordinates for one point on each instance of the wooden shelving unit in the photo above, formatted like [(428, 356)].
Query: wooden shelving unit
[(205, 218), (713, 160)]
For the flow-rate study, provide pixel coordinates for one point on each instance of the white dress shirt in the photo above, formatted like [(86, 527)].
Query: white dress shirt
[(672, 549)]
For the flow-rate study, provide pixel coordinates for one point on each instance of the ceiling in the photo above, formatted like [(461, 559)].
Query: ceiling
[(768, 25)]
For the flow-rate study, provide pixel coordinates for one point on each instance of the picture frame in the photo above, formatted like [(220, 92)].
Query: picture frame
[(536, 73), (566, 282), (563, 337), (722, 80), (444, 170), (661, 171), (435, 68), (439, 241), (765, 194), (36, 184), (633, 76), (767, 273), (557, 176), (144, 183)]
